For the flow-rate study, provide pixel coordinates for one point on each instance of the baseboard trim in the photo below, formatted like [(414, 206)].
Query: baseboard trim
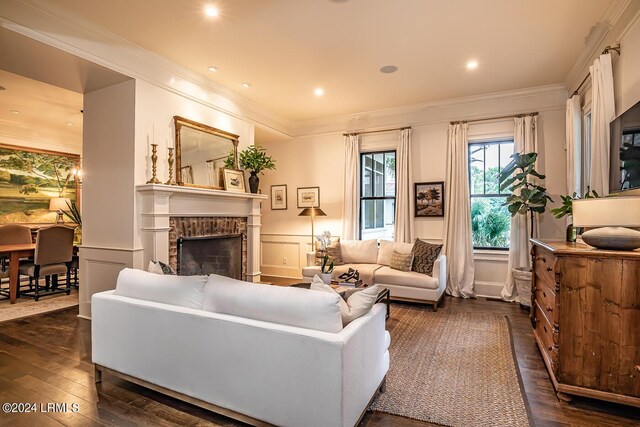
[(488, 289)]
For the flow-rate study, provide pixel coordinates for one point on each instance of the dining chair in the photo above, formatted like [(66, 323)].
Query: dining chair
[(53, 255), (11, 234)]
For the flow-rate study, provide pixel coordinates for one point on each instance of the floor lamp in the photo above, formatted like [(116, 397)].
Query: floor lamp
[(312, 212)]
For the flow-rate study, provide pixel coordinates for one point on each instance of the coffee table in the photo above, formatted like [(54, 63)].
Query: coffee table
[(383, 294)]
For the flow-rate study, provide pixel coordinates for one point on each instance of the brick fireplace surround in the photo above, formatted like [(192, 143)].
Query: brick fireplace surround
[(168, 212)]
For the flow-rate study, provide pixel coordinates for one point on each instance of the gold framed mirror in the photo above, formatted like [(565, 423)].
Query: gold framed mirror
[(201, 152)]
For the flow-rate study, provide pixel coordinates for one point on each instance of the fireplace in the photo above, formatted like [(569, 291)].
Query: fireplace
[(211, 255)]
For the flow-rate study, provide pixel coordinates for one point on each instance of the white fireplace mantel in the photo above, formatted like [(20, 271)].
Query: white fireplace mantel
[(158, 202)]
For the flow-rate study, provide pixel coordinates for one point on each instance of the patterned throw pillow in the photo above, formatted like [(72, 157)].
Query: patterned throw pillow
[(400, 261), (424, 255), (160, 267), (334, 252)]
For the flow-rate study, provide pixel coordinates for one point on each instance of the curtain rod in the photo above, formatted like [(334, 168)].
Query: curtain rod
[(608, 49), (376, 131), (510, 116)]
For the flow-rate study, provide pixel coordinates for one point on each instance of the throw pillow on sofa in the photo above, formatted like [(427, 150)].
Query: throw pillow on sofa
[(185, 291), (357, 305), (334, 252), (359, 251), (424, 256), (402, 262), (159, 267)]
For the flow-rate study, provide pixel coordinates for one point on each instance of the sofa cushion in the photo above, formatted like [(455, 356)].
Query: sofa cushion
[(402, 262), (424, 255), (359, 251), (333, 251), (389, 276), (358, 304), (388, 247), (276, 304), (185, 291)]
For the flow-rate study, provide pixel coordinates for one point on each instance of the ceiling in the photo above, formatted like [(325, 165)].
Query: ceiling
[(287, 48)]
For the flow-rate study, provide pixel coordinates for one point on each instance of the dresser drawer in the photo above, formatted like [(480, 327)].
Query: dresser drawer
[(546, 298), (544, 266), (544, 330)]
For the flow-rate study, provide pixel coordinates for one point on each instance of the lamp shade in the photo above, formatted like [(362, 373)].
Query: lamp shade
[(607, 212), (59, 204), (312, 212)]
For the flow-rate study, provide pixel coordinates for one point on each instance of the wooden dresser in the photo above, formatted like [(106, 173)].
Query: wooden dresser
[(585, 312)]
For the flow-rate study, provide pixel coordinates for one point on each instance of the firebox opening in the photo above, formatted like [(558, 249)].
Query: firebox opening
[(211, 255)]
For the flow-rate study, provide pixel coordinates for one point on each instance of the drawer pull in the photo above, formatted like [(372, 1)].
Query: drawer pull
[(550, 347), (543, 294), (549, 269), (543, 259), (549, 308), (545, 329)]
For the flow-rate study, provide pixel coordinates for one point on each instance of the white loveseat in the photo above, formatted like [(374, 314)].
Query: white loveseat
[(373, 264), (258, 353)]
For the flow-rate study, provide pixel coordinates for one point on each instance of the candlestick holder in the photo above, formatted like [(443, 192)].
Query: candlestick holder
[(154, 165), (171, 181)]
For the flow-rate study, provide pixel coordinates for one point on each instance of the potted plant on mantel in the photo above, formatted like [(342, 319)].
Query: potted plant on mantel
[(525, 198), (254, 158)]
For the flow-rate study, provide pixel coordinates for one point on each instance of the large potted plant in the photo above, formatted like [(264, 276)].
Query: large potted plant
[(526, 198), (254, 158), (567, 209)]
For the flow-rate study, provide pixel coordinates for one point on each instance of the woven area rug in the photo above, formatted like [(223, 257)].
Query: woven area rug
[(452, 369), (28, 307)]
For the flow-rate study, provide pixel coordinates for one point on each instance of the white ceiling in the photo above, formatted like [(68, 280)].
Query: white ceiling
[(286, 48)]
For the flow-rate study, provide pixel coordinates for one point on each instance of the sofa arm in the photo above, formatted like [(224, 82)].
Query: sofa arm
[(311, 259), (440, 271)]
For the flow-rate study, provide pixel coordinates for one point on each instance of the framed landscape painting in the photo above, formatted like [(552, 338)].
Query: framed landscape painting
[(308, 197), (29, 179), (429, 199), (279, 197)]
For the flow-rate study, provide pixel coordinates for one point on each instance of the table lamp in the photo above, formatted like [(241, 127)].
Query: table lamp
[(59, 204), (312, 212), (610, 221)]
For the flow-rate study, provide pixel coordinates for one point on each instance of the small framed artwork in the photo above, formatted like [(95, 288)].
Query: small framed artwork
[(429, 199), (279, 197), (308, 197), (234, 180)]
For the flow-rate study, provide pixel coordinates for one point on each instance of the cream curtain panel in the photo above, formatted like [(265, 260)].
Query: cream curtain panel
[(458, 243), (573, 137), (350, 219), (525, 140), (403, 220), (602, 113)]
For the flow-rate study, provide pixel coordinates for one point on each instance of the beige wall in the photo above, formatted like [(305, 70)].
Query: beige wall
[(318, 160)]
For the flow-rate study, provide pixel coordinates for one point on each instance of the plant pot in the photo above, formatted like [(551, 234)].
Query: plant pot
[(77, 235), (254, 182), (572, 233), (522, 277), (326, 278)]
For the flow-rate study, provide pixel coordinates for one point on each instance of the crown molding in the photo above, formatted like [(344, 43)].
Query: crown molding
[(44, 23), (614, 25)]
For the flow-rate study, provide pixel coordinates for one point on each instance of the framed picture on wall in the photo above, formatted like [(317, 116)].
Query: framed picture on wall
[(279, 197), (234, 180), (429, 199), (308, 197), (33, 181)]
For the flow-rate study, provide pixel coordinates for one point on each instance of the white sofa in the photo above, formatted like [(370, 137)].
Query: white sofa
[(373, 264), (258, 353)]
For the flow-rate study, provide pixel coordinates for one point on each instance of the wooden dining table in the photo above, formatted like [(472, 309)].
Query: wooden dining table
[(15, 252)]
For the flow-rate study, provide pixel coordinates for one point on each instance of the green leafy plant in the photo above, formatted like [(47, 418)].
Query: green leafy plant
[(255, 159), (567, 203), (73, 213), (518, 174), (230, 161), (324, 268)]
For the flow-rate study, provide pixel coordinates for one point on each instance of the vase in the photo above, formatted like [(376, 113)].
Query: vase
[(254, 182), (572, 233), (326, 278), (77, 235), (522, 277)]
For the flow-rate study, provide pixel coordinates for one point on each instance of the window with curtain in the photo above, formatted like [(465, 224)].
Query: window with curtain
[(586, 149), (377, 195), (490, 219)]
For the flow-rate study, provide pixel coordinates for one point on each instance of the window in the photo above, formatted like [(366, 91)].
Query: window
[(490, 219), (586, 150), (377, 195)]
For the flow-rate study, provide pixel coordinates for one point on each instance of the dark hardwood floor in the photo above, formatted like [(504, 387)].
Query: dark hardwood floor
[(47, 358)]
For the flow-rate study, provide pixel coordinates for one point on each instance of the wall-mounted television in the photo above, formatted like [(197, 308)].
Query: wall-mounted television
[(624, 173)]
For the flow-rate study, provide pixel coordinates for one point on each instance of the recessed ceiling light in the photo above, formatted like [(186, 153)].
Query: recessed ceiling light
[(14, 111), (212, 69), (246, 84), (69, 124), (472, 65), (318, 91), (388, 69), (211, 11)]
